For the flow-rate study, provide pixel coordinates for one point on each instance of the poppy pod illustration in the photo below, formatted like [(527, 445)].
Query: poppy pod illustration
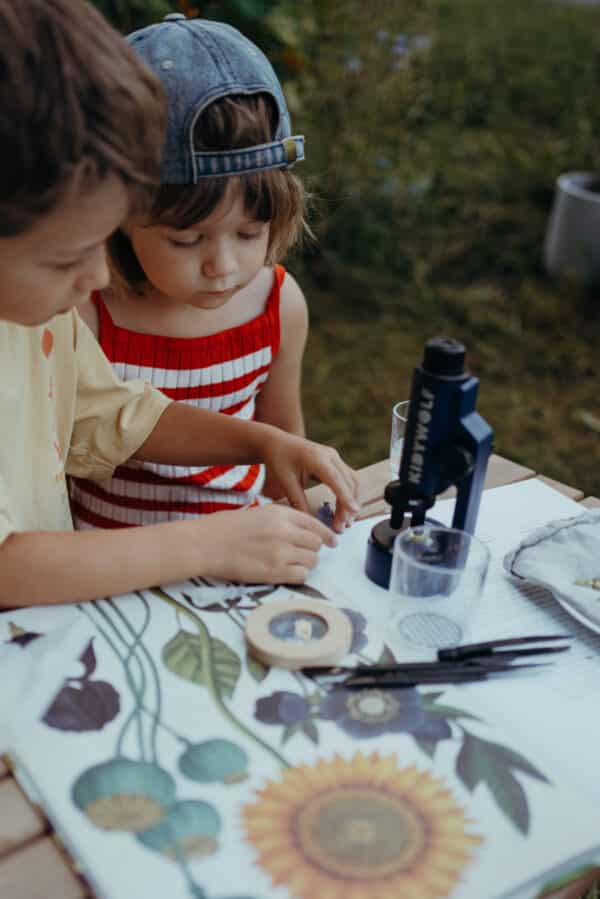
[(214, 761), (363, 828), (122, 794), (189, 828)]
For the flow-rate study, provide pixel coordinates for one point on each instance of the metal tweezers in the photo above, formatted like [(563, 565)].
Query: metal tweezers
[(460, 664)]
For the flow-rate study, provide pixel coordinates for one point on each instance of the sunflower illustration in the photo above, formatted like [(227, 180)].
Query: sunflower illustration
[(360, 829)]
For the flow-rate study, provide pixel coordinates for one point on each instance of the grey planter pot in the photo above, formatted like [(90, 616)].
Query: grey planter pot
[(572, 242)]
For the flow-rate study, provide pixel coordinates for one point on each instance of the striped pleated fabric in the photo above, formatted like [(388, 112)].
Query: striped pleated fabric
[(223, 372)]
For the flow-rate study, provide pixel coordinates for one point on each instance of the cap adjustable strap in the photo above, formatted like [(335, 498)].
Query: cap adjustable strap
[(276, 155)]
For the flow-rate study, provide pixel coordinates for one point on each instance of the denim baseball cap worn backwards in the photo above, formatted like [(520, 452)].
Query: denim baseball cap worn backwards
[(199, 61)]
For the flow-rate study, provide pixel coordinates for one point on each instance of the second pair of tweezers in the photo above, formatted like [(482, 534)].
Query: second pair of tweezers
[(461, 664)]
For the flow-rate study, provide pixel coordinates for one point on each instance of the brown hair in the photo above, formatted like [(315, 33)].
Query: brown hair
[(76, 104), (273, 195)]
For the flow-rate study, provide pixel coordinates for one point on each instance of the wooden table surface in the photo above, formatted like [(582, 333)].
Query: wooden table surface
[(33, 864)]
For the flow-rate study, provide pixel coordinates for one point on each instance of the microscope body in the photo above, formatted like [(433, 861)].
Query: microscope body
[(446, 443)]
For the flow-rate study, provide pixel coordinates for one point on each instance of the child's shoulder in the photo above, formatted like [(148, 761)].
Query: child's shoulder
[(292, 299), (293, 311), (276, 283)]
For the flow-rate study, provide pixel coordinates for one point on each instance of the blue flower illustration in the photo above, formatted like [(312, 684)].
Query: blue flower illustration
[(434, 729), (370, 713), (282, 707)]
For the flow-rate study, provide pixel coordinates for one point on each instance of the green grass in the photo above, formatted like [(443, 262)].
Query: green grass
[(433, 172)]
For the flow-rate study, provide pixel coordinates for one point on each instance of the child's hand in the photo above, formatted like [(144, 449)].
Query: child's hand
[(293, 461), (269, 544)]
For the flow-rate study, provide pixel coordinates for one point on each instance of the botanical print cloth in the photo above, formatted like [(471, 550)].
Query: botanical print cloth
[(173, 764), (31, 679)]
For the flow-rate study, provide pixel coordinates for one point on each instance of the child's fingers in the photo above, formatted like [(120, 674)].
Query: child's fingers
[(342, 480), (300, 529), (349, 477), (295, 495), (310, 533), (341, 483), (307, 538), (325, 534), (342, 519), (345, 486), (351, 482), (304, 558), (296, 574)]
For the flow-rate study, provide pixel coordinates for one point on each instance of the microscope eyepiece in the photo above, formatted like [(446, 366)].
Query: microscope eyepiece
[(444, 357)]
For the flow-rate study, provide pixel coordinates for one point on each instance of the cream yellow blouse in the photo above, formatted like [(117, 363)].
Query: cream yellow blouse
[(62, 411)]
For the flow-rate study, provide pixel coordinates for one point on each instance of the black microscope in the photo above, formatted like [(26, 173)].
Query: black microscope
[(446, 443)]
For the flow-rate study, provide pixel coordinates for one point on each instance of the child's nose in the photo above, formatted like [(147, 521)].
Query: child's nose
[(218, 261), (95, 275)]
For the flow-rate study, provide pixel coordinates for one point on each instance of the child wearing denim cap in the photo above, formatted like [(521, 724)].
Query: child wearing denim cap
[(199, 305), (69, 177)]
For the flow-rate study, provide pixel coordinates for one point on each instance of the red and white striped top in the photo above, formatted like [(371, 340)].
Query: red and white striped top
[(223, 372)]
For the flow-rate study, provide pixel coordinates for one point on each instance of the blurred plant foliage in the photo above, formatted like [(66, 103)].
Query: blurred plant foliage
[(437, 128), (264, 21), (127, 15)]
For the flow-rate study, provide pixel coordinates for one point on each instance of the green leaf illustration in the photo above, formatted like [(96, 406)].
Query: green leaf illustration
[(471, 762), (387, 657), (186, 656), (227, 667), (208, 662), (429, 698), (449, 711), (510, 797), (291, 730), (426, 746), (516, 760), (256, 669), (481, 761), (310, 729)]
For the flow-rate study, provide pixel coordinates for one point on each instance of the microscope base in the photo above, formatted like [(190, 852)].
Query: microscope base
[(380, 546)]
